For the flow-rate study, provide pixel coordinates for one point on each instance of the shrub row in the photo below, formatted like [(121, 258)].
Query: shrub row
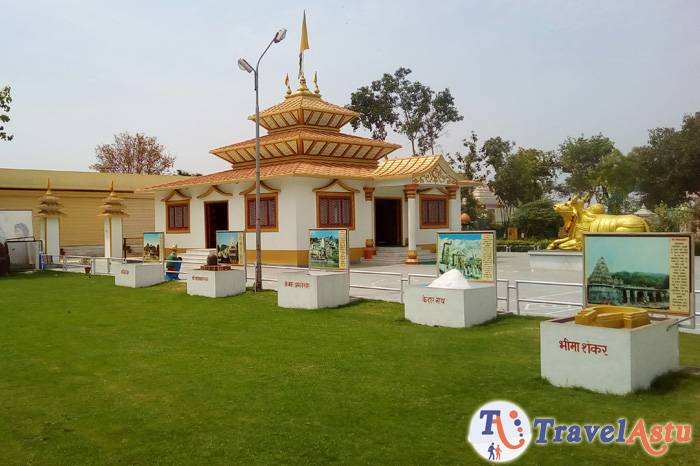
[(522, 245)]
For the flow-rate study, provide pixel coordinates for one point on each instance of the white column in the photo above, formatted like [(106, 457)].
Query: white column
[(50, 235), (410, 192), (454, 209), (113, 236)]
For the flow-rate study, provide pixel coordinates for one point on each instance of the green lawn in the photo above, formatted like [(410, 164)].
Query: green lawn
[(91, 373)]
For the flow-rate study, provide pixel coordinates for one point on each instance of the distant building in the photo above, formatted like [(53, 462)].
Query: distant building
[(82, 194), (486, 199)]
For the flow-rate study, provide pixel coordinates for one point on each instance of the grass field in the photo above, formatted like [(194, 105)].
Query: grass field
[(91, 373)]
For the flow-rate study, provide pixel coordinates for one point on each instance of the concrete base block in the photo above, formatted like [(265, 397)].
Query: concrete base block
[(607, 360), (449, 307), (556, 260), (216, 283), (312, 291), (138, 275)]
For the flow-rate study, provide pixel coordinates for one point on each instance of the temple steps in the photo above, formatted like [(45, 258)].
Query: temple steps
[(195, 258), (397, 255)]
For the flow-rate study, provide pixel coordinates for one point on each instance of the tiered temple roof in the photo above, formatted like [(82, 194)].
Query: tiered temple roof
[(306, 127), (304, 139)]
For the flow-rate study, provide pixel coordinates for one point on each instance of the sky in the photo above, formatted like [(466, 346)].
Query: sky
[(631, 254), (533, 72)]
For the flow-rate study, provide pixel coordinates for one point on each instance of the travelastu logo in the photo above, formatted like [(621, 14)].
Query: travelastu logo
[(500, 431)]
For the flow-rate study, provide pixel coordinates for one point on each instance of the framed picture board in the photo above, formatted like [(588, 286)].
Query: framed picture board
[(328, 249), (473, 253), (16, 225), (651, 271), (153, 249), (230, 247)]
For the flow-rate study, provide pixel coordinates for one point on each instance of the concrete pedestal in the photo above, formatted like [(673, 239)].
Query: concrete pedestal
[(216, 283), (613, 360), (446, 307), (138, 275), (556, 260), (312, 291)]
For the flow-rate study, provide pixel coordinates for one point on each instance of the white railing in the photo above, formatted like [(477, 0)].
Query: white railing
[(520, 283), (103, 266)]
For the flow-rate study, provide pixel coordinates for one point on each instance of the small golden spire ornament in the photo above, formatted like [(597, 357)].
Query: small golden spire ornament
[(49, 205), (112, 206), (286, 83), (317, 90)]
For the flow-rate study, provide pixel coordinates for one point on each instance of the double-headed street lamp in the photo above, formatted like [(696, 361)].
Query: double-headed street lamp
[(245, 66)]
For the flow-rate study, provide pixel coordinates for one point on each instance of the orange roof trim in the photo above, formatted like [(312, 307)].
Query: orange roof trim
[(430, 169)]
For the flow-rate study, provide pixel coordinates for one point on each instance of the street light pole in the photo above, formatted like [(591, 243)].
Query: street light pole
[(242, 64)]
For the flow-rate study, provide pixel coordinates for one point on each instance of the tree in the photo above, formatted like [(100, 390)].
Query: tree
[(180, 172), (409, 108), (133, 154), (442, 111), (523, 177), (668, 167), (580, 158), (467, 165), (537, 219), (667, 218), (495, 152), (5, 101), (615, 174)]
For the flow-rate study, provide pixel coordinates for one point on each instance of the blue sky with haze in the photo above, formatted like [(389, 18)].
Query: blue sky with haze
[(533, 72)]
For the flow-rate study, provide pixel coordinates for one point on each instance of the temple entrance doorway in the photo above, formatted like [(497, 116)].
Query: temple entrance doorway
[(387, 221), (215, 218)]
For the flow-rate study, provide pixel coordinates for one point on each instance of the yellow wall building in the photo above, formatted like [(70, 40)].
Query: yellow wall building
[(82, 194)]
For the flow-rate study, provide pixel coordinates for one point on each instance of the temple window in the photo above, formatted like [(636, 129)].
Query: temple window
[(335, 210), (433, 212), (268, 212), (178, 217)]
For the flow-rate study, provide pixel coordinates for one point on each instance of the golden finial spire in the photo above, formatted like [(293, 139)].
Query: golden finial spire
[(286, 83), (49, 205), (112, 206), (317, 90), (302, 85)]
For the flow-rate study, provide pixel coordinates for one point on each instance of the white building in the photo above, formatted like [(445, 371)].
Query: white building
[(313, 176)]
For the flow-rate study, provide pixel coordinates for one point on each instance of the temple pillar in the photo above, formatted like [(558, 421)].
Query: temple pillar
[(410, 193), (369, 242), (454, 208), (50, 225), (113, 211), (51, 235), (113, 236)]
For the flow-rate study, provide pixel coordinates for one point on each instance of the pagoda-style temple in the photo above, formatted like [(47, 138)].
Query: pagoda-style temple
[(314, 176)]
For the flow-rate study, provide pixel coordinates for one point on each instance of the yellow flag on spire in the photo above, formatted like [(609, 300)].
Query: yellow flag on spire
[(304, 45)]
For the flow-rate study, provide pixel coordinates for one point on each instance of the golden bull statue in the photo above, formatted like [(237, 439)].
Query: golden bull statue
[(579, 219)]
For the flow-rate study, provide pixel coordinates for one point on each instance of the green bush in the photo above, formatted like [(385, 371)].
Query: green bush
[(537, 219), (521, 245), (669, 219)]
